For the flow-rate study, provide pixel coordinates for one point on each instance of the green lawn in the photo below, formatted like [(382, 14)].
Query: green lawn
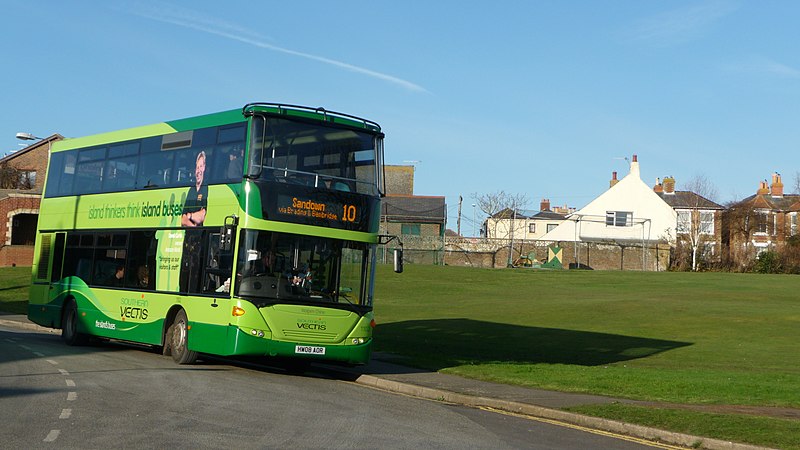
[(706, 339), (14, 285), (702, 338)]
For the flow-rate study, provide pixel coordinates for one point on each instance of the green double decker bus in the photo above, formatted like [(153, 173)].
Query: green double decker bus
[(245, 232)]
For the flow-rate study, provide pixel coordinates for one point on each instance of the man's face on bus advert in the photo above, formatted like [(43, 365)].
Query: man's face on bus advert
[(200, 169)]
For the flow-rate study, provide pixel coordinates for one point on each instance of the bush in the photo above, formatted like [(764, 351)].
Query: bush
[(768, 262)]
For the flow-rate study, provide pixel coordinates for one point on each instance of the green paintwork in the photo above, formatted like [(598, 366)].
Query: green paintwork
[(191, 123)]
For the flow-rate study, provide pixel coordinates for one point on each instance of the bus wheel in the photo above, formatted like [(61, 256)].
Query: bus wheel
[(69, 325), (179, 340)]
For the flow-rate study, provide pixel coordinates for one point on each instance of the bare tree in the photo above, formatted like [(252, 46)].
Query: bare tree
[(493, 203), (695, 232), (13, 178), (796, 183)]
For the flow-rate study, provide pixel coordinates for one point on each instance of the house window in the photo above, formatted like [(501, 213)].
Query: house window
[(27, 179), (762, 219), (551, 227), (531, 228), (793, 223), (684, 222), (413, 229), (619, 218), (707, 223)]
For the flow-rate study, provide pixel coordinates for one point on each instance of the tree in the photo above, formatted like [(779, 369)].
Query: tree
[(797, 182), (13, 178), (741, 221), (694, 232), (495, 202)]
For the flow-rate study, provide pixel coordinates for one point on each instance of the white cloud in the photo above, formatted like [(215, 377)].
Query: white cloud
[(681, 25), (760, 65), (196, 21)]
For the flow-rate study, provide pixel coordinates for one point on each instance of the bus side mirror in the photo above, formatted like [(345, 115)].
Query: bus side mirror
[(398, 260), (226, 233)]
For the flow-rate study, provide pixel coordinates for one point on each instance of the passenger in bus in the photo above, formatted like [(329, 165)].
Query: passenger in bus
[(118, 277), (142, 277), (235, 165), (194, 209)]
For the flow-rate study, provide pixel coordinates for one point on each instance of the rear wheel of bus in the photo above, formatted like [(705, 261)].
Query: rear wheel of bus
[(69, 325), (177, 340)]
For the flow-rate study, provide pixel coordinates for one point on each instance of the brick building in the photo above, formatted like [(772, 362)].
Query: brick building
[(22, 175), (763, 221)]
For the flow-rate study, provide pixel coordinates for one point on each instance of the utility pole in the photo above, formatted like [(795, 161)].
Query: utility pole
[(460, 200), (511, 241)]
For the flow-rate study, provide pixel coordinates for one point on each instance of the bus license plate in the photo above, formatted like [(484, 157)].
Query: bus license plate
[(309, 350)]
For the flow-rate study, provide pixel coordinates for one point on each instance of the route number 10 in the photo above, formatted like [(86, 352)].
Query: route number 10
[(348, 213)]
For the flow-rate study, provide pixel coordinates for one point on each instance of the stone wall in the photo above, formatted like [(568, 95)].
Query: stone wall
[(592, 255)]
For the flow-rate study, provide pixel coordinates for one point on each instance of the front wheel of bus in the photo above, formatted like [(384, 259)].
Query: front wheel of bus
[(69, 325), (179, 340)]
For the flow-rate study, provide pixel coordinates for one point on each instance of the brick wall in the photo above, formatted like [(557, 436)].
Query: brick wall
[(598, 256), (21, 255), (16, 255)]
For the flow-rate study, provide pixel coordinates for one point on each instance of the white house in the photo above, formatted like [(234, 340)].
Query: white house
[(629, 211), (527, 225)]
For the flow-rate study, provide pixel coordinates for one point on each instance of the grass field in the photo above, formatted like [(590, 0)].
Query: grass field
[(14, 285), (699, 338), (711, 339)]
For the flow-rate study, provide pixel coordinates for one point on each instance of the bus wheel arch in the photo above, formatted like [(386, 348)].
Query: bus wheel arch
[(69, 323), (176, 341)]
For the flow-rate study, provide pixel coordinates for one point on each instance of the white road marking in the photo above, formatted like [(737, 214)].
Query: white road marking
[(52, 435)]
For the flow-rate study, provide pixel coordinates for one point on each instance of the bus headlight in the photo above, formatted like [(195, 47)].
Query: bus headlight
[(357, 341), (257, 333)]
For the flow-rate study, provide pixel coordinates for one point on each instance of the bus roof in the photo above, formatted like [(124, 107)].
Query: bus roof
[(216, 119)]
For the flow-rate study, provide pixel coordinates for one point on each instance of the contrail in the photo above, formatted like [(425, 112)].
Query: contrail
[(188, 19)]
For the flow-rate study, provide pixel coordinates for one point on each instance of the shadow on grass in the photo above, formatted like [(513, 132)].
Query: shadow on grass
[(442, 343), (14, 307)]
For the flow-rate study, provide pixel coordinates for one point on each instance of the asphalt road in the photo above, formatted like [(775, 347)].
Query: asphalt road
[(113, 395)]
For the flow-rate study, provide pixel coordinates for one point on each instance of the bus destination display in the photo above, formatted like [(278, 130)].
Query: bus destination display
[(306, 208)]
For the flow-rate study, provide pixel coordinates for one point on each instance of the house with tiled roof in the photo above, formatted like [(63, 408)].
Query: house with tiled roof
[(526, 224), (22, 175), (763, 221), (698, 230), (407, 215)]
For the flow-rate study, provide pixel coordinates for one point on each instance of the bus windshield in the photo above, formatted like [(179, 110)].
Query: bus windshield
[(315, 155), (301, 268)]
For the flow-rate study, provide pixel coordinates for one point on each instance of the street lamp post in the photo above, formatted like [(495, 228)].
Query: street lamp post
[(31, 137), (473, 220), (27, 137)]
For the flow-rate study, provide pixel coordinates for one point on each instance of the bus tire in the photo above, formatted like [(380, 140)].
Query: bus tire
[(179, 340), (69, 325)]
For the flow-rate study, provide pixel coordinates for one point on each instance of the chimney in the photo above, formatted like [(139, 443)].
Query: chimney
[(763, 188), (635, 166), (614, 180), (658, 188), (544, 205), (669, 185), (776, 188)]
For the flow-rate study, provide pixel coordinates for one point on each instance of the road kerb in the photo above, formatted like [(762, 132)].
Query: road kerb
[(652, 434)]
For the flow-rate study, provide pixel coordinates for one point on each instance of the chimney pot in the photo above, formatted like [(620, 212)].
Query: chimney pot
[(635, 158), (776, 189), (669, 185), (613, 180)]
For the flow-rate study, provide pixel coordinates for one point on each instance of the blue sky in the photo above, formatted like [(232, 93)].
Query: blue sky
[(540, 98)]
